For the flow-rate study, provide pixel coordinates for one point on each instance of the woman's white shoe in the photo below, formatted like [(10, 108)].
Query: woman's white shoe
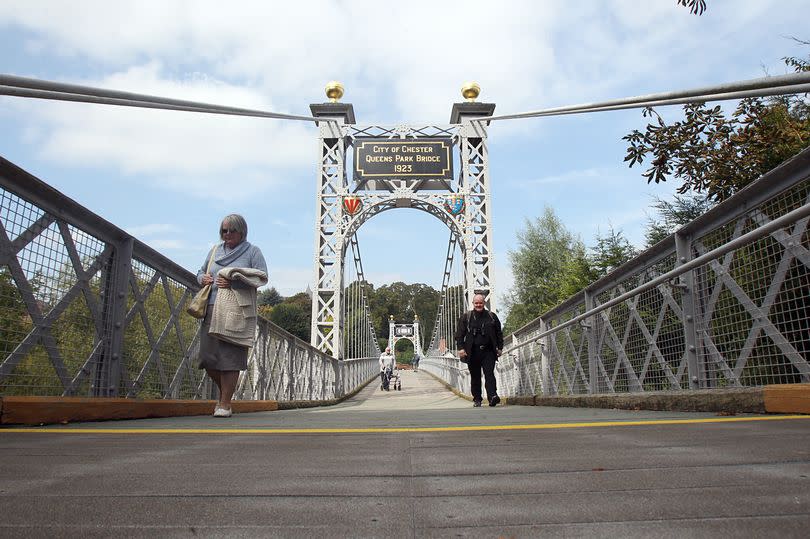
[(222, 412)]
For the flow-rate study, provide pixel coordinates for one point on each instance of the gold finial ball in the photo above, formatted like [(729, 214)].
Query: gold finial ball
[(334, 91), (470, 90)]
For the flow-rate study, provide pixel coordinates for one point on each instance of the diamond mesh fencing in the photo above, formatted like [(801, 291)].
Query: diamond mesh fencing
[(755, 317), (52, 281), (86, 310), (739, 316)]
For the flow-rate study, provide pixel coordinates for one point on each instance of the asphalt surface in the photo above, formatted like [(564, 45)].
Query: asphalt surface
[(419, 462)]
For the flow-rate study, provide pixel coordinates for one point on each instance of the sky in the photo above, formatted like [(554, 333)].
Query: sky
[(168, 177)]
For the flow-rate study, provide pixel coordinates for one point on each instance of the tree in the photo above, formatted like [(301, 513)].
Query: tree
[(577, 273), (716, 155), (404, 302), (269, 297), (674, 214), (611, 251), (548, 266), (293, 318), (696, 7)]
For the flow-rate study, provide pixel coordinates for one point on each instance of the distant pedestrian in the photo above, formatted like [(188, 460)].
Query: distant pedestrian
[(479, 340), (386, 367), (415, 362), (229, 326)]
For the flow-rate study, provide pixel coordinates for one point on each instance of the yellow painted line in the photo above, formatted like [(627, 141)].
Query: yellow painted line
[(540, 426)]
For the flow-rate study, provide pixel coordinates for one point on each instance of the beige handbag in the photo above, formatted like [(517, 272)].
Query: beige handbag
[(199, 303)]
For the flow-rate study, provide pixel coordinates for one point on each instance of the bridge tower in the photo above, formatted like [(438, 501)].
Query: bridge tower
[(366, 169), (410, 332)]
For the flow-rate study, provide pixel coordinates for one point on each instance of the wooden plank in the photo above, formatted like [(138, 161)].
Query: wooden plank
[(787, 398), (45, 410)]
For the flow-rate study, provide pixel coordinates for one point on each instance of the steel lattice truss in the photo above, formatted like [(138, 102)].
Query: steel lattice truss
[(740, 320), (335, 227), (415, 337), (450, 308), (87, 310), (768, 302), (65, 278)]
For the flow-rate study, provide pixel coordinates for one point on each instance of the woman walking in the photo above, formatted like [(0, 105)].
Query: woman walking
[(235, 269)]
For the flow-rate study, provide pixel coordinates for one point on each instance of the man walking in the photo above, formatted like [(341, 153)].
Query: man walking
[(479, 340)]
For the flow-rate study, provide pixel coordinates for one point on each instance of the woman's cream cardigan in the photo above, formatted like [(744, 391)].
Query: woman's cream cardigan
[(234, 316)]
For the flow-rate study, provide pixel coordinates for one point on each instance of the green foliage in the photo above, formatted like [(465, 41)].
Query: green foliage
[(74, 338), (611, 251), (404, 302), (710, 153), (549, 265), (15, 324), (674, 214), (404, 351), (14, 320), (294, 314), (269, 297)]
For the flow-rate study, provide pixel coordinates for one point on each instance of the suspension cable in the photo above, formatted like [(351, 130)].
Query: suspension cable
[(42, 89), (793, 83)]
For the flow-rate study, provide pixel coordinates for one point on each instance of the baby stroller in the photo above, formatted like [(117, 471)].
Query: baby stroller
[(391, 380)]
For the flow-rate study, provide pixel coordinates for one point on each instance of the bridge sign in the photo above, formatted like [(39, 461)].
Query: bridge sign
[(411, 159)]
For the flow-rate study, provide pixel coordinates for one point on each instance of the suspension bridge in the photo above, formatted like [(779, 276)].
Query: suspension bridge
[(712, 319)]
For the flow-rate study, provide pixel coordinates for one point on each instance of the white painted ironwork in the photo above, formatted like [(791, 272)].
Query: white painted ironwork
[(358, 335), (723, 302), (335, 226), (453, 302), (88, 310), (409, 332)]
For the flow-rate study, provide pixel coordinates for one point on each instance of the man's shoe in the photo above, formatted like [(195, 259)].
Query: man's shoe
[(476, 404), (494, 400)]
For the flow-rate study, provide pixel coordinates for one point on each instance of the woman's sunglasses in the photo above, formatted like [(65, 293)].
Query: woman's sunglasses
[(226, 230)]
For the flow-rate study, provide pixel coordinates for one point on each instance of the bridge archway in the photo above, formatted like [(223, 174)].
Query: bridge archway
[(346, 201), (405, 332)]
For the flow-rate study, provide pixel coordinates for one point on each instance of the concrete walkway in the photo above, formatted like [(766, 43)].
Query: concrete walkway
[(402, 464)]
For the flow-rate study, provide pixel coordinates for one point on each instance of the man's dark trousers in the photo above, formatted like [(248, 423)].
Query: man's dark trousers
[(482, 360)]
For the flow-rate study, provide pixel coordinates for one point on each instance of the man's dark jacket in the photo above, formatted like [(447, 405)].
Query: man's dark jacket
[(492, 329)]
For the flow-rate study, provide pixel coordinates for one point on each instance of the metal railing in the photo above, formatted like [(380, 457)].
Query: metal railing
[(724, 302), (87, 310)]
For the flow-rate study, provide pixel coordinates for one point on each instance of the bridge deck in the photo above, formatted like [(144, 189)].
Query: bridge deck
[(400, 464)]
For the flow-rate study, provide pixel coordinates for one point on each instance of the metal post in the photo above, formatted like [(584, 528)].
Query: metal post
[(545, 369), (474, 187), (328, 278), (117, 286), (593, 353), (683, 252)]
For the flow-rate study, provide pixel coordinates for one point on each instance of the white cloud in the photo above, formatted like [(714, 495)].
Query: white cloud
[(208, 156)]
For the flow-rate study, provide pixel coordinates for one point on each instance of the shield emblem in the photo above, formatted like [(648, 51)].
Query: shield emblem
[(352, 204), (454, 204)]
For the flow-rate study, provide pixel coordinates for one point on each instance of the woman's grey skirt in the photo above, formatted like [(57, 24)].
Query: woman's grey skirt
[(219, 355)]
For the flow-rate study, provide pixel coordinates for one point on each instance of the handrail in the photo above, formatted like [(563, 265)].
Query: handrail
[(764, 230)]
